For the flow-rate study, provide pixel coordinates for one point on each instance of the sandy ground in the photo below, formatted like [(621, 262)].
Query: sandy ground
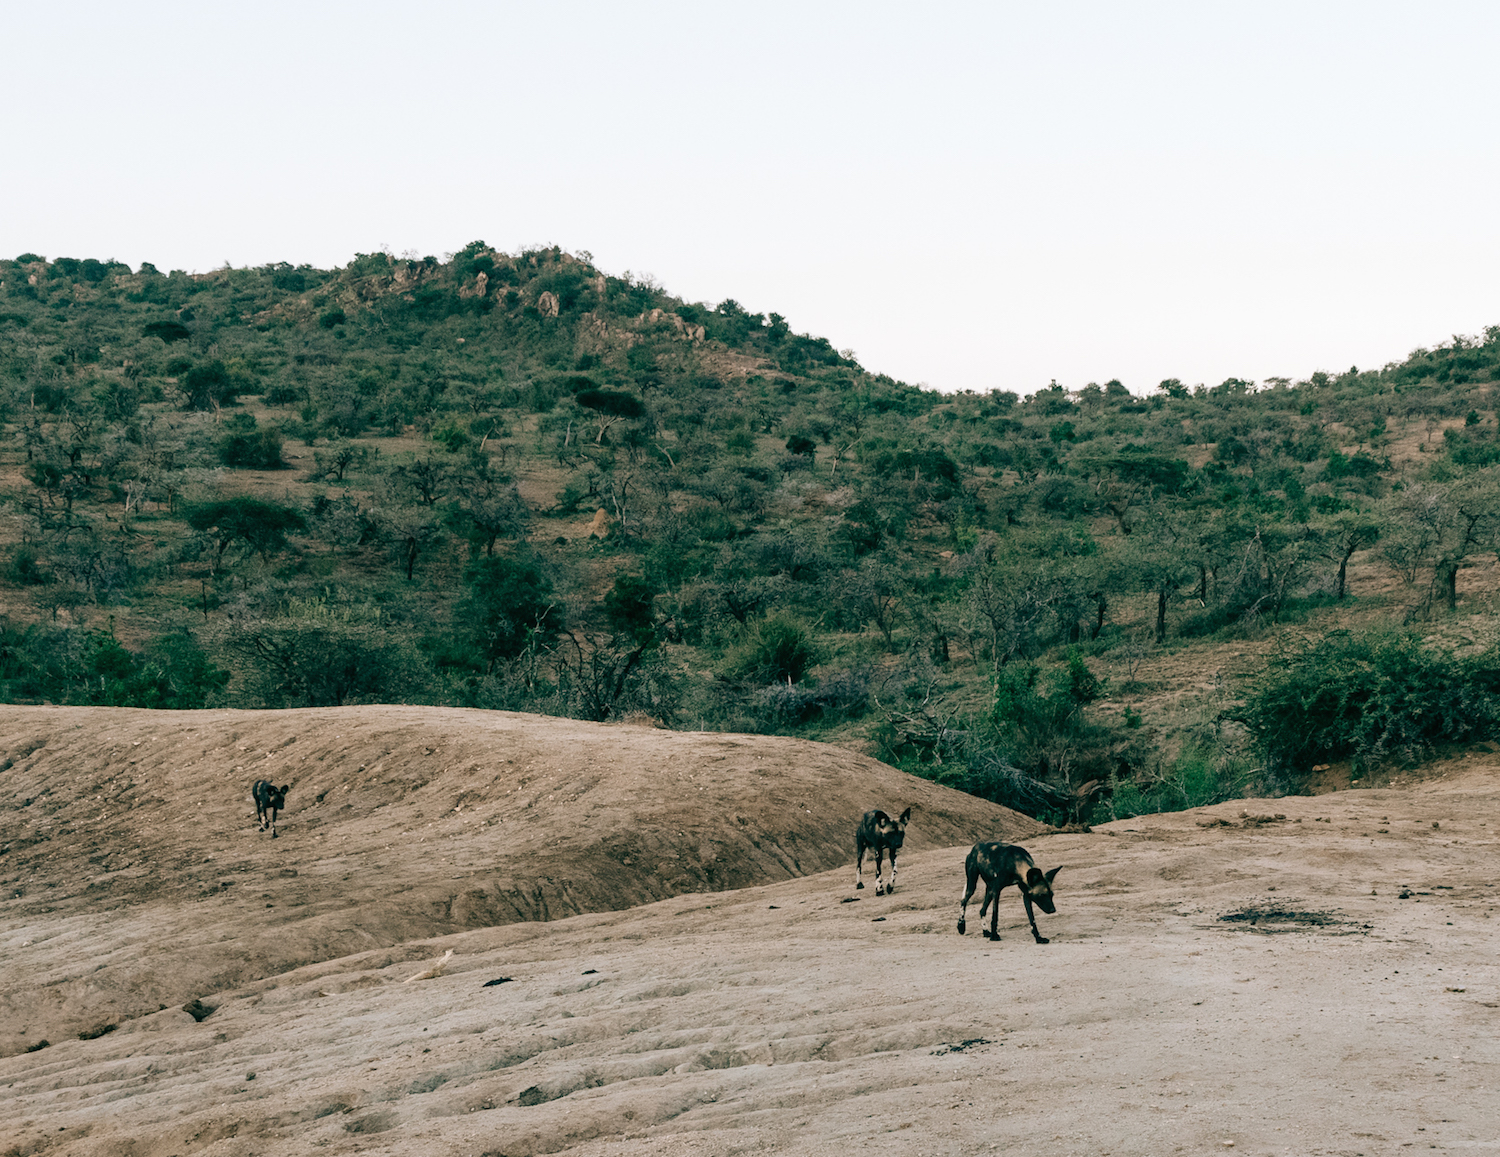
[(1215, 981)]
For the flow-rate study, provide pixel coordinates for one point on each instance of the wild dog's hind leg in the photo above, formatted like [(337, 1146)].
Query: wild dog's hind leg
[(1040, 939)]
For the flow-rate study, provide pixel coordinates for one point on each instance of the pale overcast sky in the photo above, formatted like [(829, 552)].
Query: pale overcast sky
[(967, 195)]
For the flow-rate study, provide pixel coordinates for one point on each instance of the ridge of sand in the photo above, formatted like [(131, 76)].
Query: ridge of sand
[(134, 831)]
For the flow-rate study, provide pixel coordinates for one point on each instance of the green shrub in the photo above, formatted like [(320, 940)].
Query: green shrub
[(249, 447), (26, 569), (629, 610), (452, 438), (285, 394), (1034, 712), (169, 331), (1370, 697), (781, 651), (1197, 777), (616, 403), (509, 609), (68, 665)]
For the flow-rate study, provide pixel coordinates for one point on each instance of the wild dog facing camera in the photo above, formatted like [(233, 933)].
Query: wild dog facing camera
[(269, 800), (879, 833)]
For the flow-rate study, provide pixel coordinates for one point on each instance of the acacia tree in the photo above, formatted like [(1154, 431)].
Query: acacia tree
[(612, 406), (1155, 556), (1343, 535), (408, 530), (875, 591), (1438, 527), (1005, 599), (263, 526), (509, 609), (490, 508)]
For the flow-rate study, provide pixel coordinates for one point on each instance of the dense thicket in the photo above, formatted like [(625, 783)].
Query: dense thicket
[(511, 480)]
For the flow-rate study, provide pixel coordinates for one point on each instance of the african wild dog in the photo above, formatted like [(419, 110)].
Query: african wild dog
[(1002, 865), (879, 833), (269, 799)]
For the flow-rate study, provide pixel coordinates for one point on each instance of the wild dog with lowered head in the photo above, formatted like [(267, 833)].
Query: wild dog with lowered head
[(1002, 865), (269, 799), (879, 833)]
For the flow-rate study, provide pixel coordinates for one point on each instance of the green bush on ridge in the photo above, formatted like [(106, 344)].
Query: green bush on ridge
[(1371, 697)]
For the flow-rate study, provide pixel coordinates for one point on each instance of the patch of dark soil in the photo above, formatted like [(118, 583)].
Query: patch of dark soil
[(961, 1046), (373, 1123), (1246, 820), (1268, 919)]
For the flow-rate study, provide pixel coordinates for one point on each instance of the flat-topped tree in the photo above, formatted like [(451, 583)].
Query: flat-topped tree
[(612, 406), (263, 526)]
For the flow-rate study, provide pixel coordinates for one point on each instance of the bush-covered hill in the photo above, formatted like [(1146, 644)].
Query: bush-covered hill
[(513, 481)]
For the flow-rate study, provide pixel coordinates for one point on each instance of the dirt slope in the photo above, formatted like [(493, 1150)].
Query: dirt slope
[(1302, 976), (133, 834)]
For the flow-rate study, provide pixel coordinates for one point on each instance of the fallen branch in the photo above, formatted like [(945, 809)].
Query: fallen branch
[(432, 973)]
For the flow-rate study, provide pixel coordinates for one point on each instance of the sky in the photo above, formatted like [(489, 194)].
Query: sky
[(969, 196)]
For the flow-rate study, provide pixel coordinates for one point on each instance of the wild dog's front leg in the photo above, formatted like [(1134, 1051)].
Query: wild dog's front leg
[(1040, 939), (992, 902), (859, 868), (891, 884), (963, 905), (880, 888)]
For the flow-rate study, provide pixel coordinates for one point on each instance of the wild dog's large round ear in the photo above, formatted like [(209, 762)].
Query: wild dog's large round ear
[(1053, 873), (905, 817), (285, 788), (1033, 877)]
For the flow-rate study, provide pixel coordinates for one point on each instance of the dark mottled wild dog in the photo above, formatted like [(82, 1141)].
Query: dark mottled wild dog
[(269, 799), (1002, 865), (879, 833)]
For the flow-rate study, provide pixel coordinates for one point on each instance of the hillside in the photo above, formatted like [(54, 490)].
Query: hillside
[(1320, 978), (515, 482), (134, 831)]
